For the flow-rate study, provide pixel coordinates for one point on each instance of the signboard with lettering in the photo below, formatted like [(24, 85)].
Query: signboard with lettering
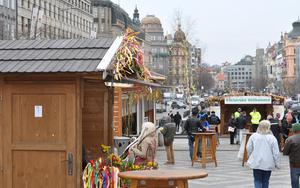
[(248, 100)]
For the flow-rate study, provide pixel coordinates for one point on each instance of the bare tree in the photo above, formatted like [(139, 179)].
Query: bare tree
[(290, 86), (259, 83), (188, 25), (205, 79)]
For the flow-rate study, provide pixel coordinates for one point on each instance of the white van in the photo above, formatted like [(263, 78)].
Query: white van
[(195, 100)]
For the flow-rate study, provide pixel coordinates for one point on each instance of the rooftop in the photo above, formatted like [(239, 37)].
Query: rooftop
[(151, 19), (295, 33), (63, 55)]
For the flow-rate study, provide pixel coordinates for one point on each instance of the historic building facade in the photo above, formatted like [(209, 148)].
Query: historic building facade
[(291, 40), (110, 19), (54, 19), (195, 64), (259, 76), (159, 52), (7, 19), (179, 60)]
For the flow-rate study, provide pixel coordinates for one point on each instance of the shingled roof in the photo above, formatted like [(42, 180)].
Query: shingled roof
[(42, 56)]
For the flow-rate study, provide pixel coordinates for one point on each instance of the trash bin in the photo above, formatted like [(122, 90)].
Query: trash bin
[(121, 143)]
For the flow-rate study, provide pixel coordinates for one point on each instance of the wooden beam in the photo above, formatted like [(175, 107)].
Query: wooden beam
[(1, 133), (79, 106)]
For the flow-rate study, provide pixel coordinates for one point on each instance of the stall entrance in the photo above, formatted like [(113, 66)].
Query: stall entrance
[(264, 109), (39, 135)]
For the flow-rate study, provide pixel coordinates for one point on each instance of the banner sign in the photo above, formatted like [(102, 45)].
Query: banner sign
[(248, 100)]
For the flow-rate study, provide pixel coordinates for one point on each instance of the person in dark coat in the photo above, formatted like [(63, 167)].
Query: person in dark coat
[(275, 128), (292, 149), (168, 130), (177, 120), (193, 125), (241, 125), (232, 123)]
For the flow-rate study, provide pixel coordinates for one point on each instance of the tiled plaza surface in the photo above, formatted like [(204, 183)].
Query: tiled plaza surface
[(228, 173)]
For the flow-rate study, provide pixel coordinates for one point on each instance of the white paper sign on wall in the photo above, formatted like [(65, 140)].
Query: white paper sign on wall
[(38, 111)]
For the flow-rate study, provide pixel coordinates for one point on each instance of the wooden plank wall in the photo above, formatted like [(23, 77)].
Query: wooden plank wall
[(117, 110), (96, 117)]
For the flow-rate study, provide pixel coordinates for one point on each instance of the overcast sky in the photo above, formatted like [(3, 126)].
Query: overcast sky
[(226, 29)]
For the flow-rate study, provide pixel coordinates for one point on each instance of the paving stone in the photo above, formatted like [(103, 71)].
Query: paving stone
[(229, 172)]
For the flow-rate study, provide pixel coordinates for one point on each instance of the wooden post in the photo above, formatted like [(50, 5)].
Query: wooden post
[(79, 106), (1, 132)]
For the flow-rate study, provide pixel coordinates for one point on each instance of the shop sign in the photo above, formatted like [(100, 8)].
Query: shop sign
[(248, 100)]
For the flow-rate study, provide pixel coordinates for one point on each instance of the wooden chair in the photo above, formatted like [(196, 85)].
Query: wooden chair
[(208, 148)]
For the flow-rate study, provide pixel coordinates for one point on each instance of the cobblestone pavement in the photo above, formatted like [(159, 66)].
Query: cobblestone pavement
[(229, 172)]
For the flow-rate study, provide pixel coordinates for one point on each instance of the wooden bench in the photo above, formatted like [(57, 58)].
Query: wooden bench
[(208, 148)]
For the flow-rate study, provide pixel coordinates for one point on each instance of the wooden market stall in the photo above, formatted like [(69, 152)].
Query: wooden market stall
[(53, 100), (137, 104), (227, 105)]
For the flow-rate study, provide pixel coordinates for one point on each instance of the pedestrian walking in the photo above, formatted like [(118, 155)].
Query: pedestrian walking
[(204, 123), (214, 119), (241, 126), (255, 118), (168, 130), (292, 149), (278, 118), (214, 122), (232, 128), (193, 125), (285, 127), (177, 120), (275, 128), (263, 154), (171, 115), (290, 118)]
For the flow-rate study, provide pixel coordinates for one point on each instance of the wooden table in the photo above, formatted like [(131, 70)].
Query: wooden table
[(161, 178), (245, 156), (208, 151)]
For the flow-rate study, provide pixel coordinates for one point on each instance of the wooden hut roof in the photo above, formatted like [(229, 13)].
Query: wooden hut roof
[(44, 56)]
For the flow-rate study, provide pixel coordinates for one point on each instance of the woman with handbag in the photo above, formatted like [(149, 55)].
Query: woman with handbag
[(232, 128)]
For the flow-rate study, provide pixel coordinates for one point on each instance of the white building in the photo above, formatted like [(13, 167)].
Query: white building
[(54, 19), (239, 76), (7, 19)]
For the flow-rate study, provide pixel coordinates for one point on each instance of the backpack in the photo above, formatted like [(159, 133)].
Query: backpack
[(214, 120)]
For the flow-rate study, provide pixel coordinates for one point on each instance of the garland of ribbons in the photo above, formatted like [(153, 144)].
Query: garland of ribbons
[(97, 176)]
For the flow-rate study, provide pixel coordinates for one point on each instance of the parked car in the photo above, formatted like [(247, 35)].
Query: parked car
[(160, 108), (178, 104)]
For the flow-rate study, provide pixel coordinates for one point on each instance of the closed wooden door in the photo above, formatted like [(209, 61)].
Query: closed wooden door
[(39, 136)]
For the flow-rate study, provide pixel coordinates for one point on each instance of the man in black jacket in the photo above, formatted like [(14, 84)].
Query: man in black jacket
[(275, 128), (177, 120), (193, 125), (241, 125), (214, 122)]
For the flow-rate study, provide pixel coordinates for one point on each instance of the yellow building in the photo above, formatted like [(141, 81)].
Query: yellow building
[(291, 40)]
